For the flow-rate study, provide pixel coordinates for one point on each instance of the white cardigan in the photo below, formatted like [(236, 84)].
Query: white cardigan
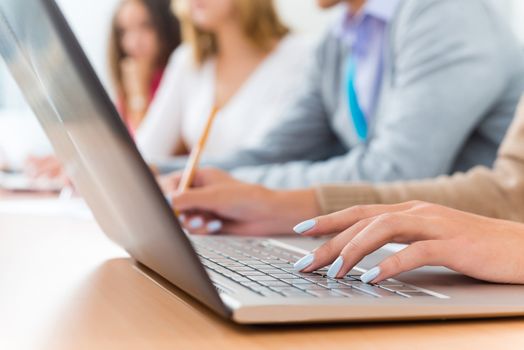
[(185, 98)]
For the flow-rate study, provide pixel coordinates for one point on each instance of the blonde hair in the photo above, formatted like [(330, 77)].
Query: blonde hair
[(258, 19)]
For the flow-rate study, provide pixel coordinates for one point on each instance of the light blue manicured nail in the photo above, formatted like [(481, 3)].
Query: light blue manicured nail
[(304, 262), (214, 226), (335, 267), (370, 275), (305, 226), (182, 218), (196, 223), (169, 199)]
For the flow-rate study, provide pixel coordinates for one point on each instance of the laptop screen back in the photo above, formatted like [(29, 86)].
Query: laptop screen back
[(98, 153)]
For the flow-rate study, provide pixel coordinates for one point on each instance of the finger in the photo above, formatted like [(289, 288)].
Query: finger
[(387, 228), (330, 250), (203, 177), (201, 225), (50, 171), (419, 254), (211, 176), (339, 221), (48, 168), (32, 165), (169, 183)]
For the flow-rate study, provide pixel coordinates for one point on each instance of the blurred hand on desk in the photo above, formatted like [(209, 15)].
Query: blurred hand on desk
[(218, 203), (44, 167)]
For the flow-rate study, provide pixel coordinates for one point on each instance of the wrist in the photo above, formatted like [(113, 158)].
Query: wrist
[(293, 207)]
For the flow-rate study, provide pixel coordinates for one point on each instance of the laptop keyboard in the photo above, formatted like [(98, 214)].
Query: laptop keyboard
[(267, 270)]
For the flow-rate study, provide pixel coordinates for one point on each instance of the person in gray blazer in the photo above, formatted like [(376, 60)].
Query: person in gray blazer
[(397, 90)]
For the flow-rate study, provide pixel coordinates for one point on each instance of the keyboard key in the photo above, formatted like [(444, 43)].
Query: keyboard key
[(281, 264), (330, 283), (251, 262), (354, 273), (283, 275), (311, 286), (323, 293), (296, 280), (335, 286), (250, 284), (286, 289), (353, 293), (297, 294), (391, 283), (262, 278), (241, 279), (253, 273), (350, 278), (244, 269), (269, 270), (274, 284), (315, 278)]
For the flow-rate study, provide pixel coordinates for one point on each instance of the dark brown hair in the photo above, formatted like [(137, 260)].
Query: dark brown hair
[(167, 29)]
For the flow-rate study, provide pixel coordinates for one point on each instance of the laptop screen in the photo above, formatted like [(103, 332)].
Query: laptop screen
[(95, 147)]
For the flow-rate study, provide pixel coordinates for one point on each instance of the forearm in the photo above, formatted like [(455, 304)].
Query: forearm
[(288, 208), (481, 191)]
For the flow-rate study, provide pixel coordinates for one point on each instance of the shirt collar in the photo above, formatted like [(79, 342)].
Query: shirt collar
[(383, 10)]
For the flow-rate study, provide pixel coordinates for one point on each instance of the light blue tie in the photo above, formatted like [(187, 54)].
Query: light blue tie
[(357, 115)]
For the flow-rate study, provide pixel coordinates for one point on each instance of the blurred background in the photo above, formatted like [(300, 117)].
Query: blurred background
[(90, 21)]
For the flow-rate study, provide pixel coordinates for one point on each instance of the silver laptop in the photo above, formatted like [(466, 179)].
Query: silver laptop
[(249, 281)]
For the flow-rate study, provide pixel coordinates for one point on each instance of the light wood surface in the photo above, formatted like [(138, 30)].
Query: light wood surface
[(63, 285)]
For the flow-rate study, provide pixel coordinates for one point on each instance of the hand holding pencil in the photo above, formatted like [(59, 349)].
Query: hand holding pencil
[(196, 153)]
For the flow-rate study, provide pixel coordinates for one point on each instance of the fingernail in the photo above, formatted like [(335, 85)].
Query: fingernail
[(304, 262), (169, 199), (214, 226), (182, 218), (335, 267), (196, 223), (370, 275), (305, 226)]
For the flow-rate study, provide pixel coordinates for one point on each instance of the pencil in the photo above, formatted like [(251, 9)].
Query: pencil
[(194, 158)]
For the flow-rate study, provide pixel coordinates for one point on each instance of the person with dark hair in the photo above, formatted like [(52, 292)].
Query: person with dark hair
[(144, 34)]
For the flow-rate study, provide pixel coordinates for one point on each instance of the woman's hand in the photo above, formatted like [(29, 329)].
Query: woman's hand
[(219, 203), (483, 248), (136, 76), (48, 167), (136, 79), (203, 178)]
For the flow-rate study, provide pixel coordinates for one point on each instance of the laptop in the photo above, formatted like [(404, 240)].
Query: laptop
[(249, 281)]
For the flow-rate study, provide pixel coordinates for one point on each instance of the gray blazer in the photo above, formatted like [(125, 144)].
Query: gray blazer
[(454, 74)]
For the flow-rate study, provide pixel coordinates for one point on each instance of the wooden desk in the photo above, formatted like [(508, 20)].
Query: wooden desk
[(63, 285)]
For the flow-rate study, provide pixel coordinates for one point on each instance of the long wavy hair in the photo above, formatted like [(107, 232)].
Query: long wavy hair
[(258, 18)]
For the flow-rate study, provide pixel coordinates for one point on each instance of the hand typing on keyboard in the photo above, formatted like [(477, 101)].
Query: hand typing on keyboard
[(268, 270), (476, 246)]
